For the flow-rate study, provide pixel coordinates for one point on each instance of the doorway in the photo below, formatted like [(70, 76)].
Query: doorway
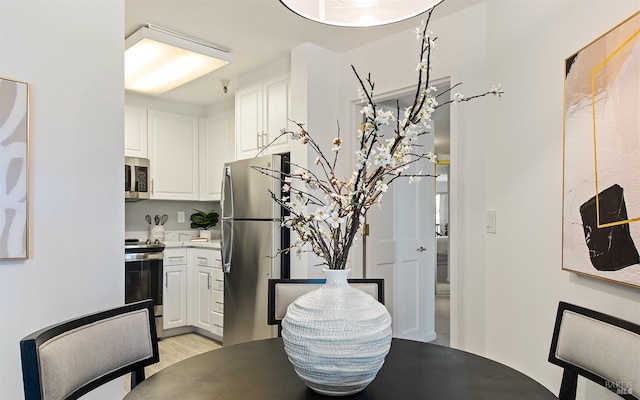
[(402, 246)]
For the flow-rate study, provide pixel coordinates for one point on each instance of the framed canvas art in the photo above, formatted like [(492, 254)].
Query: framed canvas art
[(601, 199), (14, 138)]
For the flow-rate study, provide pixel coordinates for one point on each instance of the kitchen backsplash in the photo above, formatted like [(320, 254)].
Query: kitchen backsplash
[(135, 213)]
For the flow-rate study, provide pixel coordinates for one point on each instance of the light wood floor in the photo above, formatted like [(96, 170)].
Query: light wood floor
[(443, 316), (177, 348)]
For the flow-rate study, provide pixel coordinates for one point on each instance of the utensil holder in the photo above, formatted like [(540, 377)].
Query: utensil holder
[(156, 232)]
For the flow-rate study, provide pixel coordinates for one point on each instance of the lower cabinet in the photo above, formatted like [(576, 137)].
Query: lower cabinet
[(217, 306), (203, 297), (201, 304), (175, 296)]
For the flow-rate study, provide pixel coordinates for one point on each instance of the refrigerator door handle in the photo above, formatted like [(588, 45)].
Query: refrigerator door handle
[(227, 236), (226, 204), (227, 245)]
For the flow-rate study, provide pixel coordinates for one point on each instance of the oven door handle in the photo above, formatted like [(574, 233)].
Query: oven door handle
[(128, 257)]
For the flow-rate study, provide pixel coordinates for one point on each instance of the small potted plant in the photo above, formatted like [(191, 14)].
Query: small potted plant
[(204, 220)]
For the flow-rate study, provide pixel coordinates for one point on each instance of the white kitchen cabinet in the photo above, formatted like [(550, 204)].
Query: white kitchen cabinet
[(217, 311), (216, 148), (135, 132), (207, 290), (202, 288), (175, 288), (262, 111), (173, 152), (203, 297)]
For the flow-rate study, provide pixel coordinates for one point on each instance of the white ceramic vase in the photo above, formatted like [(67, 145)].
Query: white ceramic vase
[(336, 337)]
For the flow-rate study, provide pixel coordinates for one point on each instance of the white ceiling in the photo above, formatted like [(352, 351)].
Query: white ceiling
[(256, 32)]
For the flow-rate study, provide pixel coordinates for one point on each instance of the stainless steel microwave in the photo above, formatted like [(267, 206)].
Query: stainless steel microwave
[(136, 179)]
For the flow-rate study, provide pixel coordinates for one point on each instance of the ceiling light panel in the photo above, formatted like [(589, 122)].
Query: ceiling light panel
[(158, 60)]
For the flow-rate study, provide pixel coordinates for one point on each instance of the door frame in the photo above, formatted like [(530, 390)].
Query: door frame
[(358, 257)]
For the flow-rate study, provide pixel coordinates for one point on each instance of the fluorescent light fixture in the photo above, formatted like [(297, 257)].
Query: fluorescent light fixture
[(157, 60), (359, 13)]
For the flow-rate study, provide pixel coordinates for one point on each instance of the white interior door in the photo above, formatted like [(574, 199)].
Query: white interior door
[(401, 249)]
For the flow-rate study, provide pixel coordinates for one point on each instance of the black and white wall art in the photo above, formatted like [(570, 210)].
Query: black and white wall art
[(601, 203), (14, 137)]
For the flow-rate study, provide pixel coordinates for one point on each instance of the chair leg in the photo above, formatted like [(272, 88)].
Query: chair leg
[(137, 377), (568, 386)]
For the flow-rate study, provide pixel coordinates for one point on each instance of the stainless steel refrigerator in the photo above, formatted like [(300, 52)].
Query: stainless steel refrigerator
[(251, 236)]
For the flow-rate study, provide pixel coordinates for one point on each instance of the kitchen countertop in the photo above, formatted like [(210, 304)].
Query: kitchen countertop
[(176, 239), (212, 244)]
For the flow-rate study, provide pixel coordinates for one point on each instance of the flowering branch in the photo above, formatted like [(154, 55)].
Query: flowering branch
[(326, 212)]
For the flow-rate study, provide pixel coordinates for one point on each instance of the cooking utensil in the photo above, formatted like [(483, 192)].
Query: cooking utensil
[(157, 219), (148, 218), (163, 219)]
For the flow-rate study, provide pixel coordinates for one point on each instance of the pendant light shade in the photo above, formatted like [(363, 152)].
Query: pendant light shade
[(359, 13)]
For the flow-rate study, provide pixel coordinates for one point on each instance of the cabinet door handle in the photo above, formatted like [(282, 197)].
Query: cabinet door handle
[(265, 140), (152, 186), (258, 140), (208, 282), (166, 280)]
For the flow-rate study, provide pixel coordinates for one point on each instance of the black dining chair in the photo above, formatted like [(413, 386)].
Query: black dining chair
[(282, 292), (597, 346), (69, 359)]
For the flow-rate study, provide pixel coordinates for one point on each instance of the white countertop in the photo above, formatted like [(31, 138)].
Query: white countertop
[(212, 244), (173, 239)]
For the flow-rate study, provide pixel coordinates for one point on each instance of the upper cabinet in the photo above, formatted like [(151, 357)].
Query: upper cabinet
[(135, 132), (186, 153), (216, 148), (261, 112), (173, 152)]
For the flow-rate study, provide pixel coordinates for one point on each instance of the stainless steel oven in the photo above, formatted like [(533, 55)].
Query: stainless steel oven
[(143, 275)]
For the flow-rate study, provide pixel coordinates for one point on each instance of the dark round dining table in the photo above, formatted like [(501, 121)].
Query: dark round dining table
[(260, 370)]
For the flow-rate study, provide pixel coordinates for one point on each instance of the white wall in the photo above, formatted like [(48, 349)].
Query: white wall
[(155, 103), (71, 54), (528, 43), (507, 155), (315, 82)]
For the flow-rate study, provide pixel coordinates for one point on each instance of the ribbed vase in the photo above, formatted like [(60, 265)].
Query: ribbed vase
[(336, 337)]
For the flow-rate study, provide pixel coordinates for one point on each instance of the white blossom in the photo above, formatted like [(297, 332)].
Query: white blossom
[(362, 95), (415, 178), (293, 135), (381, 186), (337, 142), (497, 91), (384, 117), (367, 111), (335, 220), (321, 214)]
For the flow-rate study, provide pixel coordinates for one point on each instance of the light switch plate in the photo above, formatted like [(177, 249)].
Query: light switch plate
[(491, 221), (180, 216)]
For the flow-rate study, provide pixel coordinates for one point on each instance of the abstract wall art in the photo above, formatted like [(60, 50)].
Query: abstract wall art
[(601, 202), (14, 138)]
